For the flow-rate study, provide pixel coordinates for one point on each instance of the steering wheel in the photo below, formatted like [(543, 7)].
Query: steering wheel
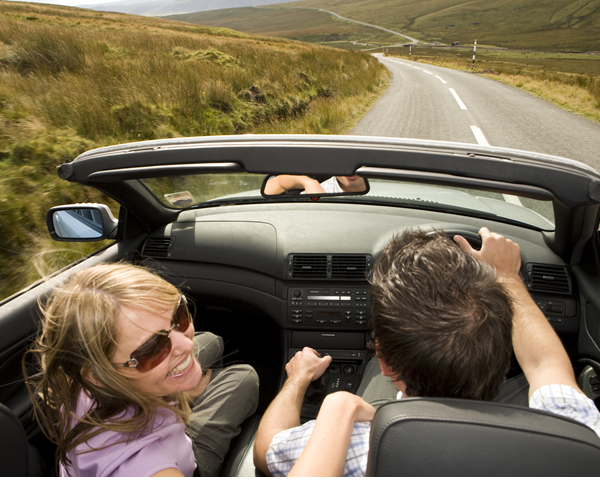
[(473, 238)]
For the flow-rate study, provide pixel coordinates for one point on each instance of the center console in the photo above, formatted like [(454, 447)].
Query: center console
[(333, 320)]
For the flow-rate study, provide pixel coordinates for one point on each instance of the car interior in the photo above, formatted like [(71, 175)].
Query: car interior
[(272, 274)]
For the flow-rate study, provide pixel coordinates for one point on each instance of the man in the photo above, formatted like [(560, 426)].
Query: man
[(308, 185), (442, 322)]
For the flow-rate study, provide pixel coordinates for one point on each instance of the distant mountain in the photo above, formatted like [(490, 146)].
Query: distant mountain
[(162, 7)]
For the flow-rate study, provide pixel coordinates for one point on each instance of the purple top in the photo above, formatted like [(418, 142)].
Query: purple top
[(166, 446)]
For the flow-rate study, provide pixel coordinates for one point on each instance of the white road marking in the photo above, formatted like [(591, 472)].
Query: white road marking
[(458, 100), (441, 80), (479, 136), (426, 72), (512, 199), (481, 140)]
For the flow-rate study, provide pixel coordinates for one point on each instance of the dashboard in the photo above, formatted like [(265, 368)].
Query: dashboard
[(304, 265)]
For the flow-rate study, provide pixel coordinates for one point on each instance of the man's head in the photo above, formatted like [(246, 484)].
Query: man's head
[(352, 183), (441, 322)]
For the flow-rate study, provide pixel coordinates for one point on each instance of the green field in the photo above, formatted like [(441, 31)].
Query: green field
[(75, 79)]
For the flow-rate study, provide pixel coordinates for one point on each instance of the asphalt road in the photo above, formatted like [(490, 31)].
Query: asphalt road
[(411, 39), (430, 102)]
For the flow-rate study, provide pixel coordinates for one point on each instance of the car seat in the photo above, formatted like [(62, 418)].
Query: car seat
[(17, 456), (451, 437)]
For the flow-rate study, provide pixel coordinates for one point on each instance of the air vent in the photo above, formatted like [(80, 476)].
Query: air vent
[(348, 267), (158, 247), (335, 267), (551, 279), (309, 266)]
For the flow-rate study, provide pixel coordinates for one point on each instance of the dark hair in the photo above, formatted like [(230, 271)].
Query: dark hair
[(440, 319)]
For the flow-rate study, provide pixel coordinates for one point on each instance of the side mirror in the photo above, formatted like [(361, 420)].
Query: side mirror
[(81, 222)]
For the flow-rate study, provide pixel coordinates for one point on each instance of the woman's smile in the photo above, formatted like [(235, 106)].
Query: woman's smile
[(179, 372), (180, 368)]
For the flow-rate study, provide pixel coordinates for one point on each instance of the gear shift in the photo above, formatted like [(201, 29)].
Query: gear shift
[(317, 390)]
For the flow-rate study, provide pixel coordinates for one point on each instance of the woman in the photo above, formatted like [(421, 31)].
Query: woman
[(119, 370)]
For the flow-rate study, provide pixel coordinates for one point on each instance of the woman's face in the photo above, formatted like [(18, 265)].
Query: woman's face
[(180, 371)]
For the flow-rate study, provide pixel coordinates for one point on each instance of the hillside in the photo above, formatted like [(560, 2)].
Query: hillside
[(306, 25), (75, 79), (543, 24), (161, 8)]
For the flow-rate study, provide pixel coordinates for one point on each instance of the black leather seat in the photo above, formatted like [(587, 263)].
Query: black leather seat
[(449, 437), (17, 456)]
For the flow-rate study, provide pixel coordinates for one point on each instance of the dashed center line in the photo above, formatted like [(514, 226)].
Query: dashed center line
[(481, 140), (458, 100), (479, 136), (512, 199)]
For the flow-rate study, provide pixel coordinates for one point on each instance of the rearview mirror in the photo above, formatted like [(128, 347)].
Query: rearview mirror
[(81, 222), (294, 185)]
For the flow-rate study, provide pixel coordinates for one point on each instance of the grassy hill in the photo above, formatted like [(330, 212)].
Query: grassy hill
[(306, 25), (543, 24), (540, 24), (74, 79)]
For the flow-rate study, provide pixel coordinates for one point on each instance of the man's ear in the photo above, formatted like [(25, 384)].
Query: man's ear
[(386, 370)]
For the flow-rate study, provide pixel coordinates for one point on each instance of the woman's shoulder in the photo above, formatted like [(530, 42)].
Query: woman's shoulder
[(161, 445)]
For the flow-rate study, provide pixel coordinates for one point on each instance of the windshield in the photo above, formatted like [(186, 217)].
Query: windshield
[(195, 190), (191, 190), (526, 210)]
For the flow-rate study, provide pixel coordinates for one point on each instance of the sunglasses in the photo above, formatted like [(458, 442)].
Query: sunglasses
[(157, 348)]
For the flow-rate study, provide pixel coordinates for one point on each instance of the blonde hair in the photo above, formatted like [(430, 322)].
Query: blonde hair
[(73, 355)]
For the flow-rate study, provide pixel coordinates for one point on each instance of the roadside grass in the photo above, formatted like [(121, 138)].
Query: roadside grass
[(74, 79), (571, 82)]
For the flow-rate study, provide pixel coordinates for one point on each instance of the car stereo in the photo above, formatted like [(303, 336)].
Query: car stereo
[(329, 306)]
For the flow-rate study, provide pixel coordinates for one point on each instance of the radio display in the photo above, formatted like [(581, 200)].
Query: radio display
[(328, 314)]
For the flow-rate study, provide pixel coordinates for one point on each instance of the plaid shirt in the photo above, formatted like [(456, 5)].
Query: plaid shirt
[(564, 400), (287, 446)]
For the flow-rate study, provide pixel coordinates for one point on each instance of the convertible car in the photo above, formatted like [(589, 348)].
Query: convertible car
[(274, 271)]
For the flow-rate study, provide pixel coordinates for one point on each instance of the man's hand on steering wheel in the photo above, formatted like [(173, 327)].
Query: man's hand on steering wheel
[(500, 253)]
